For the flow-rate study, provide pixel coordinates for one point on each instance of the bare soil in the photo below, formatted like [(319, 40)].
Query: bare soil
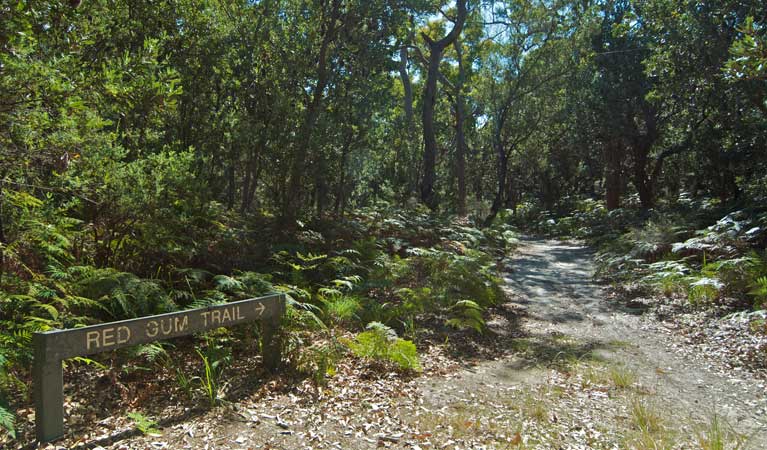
[(566, 368)]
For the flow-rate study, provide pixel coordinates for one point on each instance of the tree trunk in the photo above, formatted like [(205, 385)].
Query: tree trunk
[(429, 138), (301, 154), (460, 138), (402, 170), (613, 156), (511, 194), (643, 142), (641, 181), (230, 185), (341, 187), (502, 168), (436, 48), (251, 184), (407, 87)]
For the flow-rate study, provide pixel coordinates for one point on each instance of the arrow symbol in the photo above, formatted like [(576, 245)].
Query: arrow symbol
[(260, 309)]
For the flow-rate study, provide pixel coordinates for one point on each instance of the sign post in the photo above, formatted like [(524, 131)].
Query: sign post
[(52, 347)]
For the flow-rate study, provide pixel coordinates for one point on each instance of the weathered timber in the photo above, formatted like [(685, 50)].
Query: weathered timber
[(51, 347)]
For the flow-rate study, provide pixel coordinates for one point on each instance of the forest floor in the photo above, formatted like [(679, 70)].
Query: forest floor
[(562, 365)]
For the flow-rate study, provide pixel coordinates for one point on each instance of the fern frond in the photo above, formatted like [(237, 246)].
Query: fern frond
[(329, 292), (196, 275), (228, 284), (89, 362), (205, 302), (7, 421), (152, 352)]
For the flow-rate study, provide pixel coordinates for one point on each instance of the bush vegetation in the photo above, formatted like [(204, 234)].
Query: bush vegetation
[(366, 158), (708, 253), (367, 278)]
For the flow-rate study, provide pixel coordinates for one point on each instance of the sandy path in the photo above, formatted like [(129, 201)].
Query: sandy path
[(549, 386), (551, 281)]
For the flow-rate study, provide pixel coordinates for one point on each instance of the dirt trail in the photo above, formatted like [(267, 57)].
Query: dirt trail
[(567, 315), (553, 280), (573, 372)]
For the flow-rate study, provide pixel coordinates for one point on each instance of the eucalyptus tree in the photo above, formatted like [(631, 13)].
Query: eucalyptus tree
[(715, 136), (525, 38), (436, 46)]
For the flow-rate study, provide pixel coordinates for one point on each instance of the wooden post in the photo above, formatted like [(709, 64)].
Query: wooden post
[(271, 347), (52, 347), (48, 377)]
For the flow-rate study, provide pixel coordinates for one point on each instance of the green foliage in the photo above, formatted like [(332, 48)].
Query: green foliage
[(144, 424), (467, 314), (653, 239), (155, 159), (7, 419), (454, 276), (215, 357), (748, 53), (342, 308), (759, 291), (122, 294), (319, 361), (154, 352), (381, 343)]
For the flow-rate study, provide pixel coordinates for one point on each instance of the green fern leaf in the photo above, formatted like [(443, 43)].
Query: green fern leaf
[(7, 422)]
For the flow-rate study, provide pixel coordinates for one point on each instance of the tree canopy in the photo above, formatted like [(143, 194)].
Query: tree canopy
[(151, 136)]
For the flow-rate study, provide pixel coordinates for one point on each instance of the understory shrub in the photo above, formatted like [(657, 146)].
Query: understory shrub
[(705, 265), (381, 343)]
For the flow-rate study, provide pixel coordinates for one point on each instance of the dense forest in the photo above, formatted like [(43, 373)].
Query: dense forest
[(373, 159)]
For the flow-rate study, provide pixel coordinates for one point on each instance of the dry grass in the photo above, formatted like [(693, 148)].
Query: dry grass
[(618, 377), (717, 434), (648, 427), (621, 377)]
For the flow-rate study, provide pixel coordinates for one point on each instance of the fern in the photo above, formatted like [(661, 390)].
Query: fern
[(210, 298), (89, 362), (153, 352), (759, 291), (123, 294), (342, 308), (7, 421), (380, 342), (228, 284), (382, 330), (6, 417), (329, 292), (304, 313), (197, 276), (467, 314), (256, 283)]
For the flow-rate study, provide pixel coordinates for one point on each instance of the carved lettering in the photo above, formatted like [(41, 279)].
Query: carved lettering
[(92, 340), (152, 328), (166, 326), (123, 334), (108, 337), (181, 323)]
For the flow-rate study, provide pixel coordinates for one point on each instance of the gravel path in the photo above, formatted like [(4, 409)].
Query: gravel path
[(574, 371), (553, 281)]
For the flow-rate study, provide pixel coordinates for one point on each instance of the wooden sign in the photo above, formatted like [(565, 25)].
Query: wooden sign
[(51, 347)]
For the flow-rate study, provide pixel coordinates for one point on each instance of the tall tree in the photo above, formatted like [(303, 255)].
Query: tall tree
[(436, 50)]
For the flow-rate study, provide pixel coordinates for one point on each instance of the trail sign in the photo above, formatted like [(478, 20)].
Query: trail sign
[(51, 347)]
